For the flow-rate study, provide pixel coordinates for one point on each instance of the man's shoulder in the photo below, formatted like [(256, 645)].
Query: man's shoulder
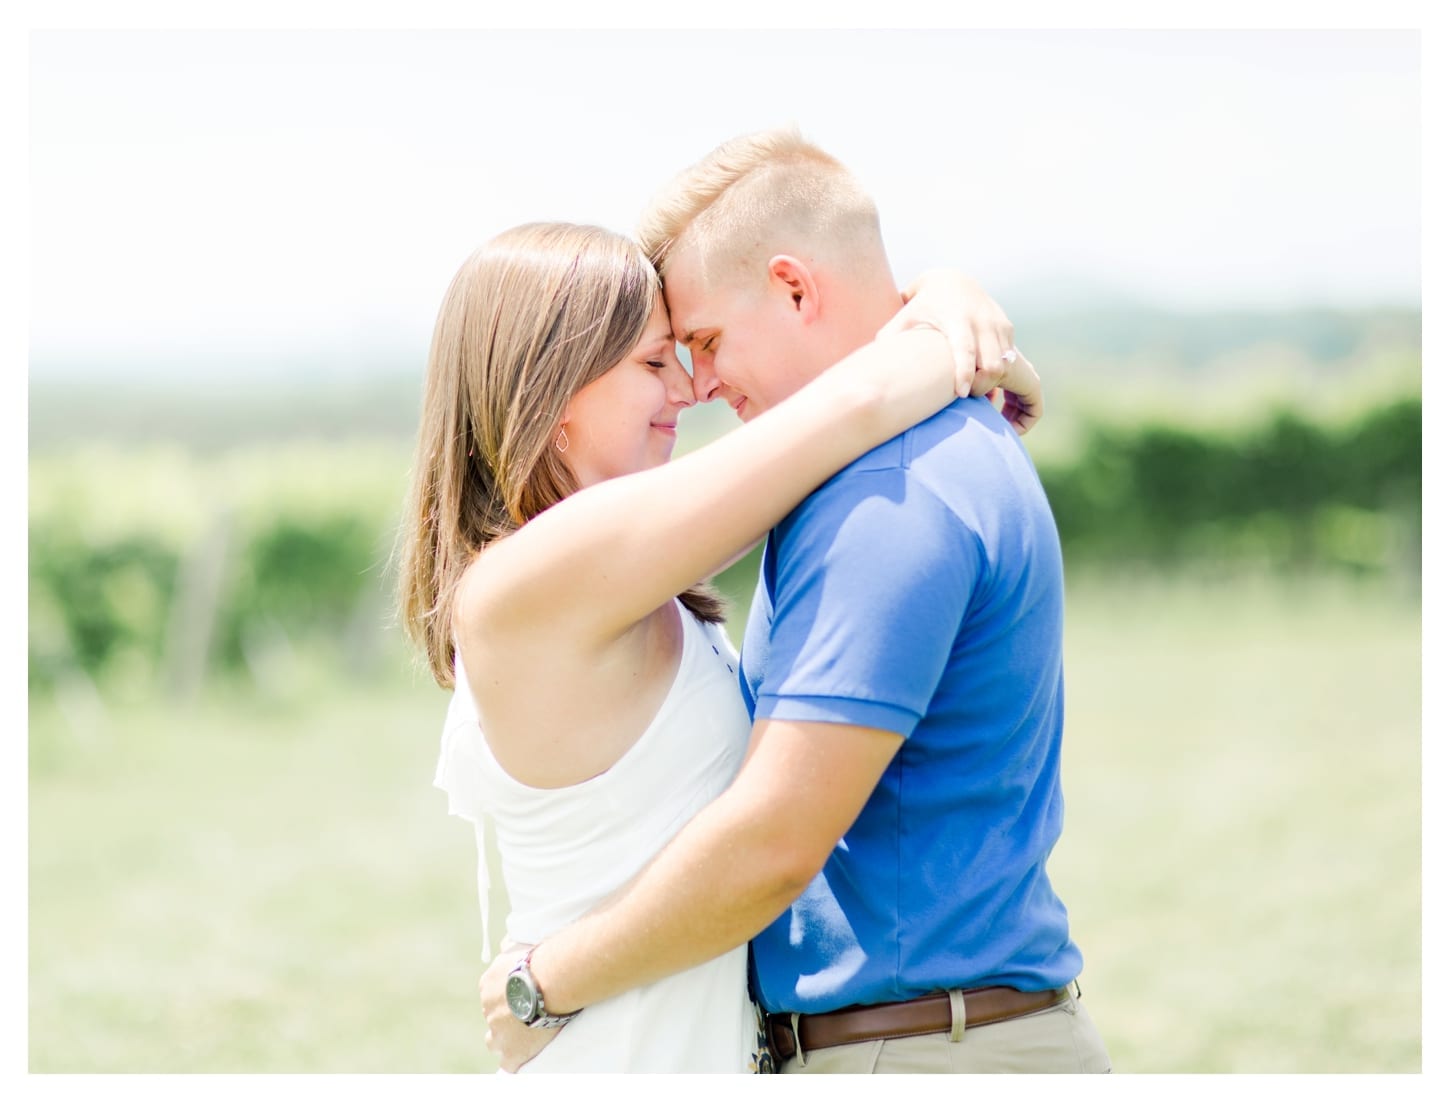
[(951, 478), (891, 492), (938, 440)]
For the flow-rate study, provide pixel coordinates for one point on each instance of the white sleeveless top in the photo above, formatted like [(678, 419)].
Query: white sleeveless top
[(562, 850)]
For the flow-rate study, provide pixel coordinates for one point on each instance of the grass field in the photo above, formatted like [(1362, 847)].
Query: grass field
[(267, 887)]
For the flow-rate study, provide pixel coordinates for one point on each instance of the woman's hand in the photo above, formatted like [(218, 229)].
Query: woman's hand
[(514, 1043), (1021, 393), (981, 340)]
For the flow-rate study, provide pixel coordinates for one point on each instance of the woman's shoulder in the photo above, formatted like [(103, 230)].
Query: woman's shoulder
[(474, 583), (486, 608)]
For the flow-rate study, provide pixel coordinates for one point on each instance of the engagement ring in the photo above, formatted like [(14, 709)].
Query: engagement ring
[(1010, 356)]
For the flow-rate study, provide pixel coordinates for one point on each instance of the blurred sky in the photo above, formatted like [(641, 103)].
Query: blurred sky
[(265, 201)]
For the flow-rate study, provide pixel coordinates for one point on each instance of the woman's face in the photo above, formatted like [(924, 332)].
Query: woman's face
[(624, 421)]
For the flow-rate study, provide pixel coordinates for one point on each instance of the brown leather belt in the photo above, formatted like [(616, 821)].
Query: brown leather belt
[(916, 1018)]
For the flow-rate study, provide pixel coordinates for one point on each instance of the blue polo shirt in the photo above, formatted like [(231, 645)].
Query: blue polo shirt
[(920, 591)]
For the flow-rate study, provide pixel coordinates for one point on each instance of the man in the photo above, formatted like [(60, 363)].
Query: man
[(885, 842)]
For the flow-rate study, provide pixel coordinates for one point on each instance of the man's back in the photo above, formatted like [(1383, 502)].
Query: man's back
[(920, 591)]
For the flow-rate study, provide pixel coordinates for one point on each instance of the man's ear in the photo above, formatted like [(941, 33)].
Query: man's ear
[(789, 276)]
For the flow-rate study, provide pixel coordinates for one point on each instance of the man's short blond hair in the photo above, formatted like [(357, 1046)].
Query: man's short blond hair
[(761, 193)]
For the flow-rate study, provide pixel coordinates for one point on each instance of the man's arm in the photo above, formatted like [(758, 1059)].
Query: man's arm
[(725, 877)]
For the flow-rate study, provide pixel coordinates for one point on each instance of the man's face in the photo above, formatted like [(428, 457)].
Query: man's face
[(746, 341)]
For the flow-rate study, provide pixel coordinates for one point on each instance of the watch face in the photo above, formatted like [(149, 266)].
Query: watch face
[(520, 997)]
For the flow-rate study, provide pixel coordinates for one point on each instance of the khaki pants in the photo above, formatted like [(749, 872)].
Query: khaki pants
[(1061, 1038)]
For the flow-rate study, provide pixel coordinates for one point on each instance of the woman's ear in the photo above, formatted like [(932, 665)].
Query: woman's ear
[(790, 276)]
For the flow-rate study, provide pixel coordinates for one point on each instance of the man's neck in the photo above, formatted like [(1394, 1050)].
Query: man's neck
[(862, 305)]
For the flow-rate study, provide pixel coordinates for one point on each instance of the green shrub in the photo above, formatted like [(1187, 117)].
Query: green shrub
[(1286, 492), (120, 582)]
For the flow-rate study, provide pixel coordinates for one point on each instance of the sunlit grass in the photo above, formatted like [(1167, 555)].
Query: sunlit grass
[(1242, 852), (242, 890), (254, 886)]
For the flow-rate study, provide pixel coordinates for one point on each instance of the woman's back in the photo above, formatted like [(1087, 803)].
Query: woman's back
[(564, 849)]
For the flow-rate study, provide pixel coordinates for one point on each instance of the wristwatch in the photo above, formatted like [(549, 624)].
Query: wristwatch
[(525, 999)]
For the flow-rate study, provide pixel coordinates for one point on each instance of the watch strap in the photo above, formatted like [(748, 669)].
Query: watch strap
[(541, 1018)]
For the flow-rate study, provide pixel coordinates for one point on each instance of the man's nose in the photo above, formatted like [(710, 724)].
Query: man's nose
[(707, 383), (681, 387)]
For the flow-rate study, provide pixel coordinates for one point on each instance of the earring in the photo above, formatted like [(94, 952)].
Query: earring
[(562, 441)]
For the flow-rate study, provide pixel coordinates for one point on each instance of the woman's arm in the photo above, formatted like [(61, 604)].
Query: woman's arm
[(610, 554)]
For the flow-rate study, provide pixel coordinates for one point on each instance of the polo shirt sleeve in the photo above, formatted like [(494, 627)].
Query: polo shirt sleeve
[(873, 576)]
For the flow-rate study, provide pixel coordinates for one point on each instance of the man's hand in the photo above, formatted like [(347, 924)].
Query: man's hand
[(981, 340), (514, 1043)]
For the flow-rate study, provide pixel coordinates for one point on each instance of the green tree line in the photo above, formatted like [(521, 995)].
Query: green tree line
[(154, 569), (1285, 493)]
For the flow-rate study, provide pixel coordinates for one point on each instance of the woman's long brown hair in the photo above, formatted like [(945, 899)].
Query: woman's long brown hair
[(530, 319)]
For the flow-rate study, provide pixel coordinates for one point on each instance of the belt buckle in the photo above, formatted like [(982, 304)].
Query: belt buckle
[(774, 1024)]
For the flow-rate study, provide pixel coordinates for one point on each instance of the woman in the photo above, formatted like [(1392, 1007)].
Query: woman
[(551, 572)]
